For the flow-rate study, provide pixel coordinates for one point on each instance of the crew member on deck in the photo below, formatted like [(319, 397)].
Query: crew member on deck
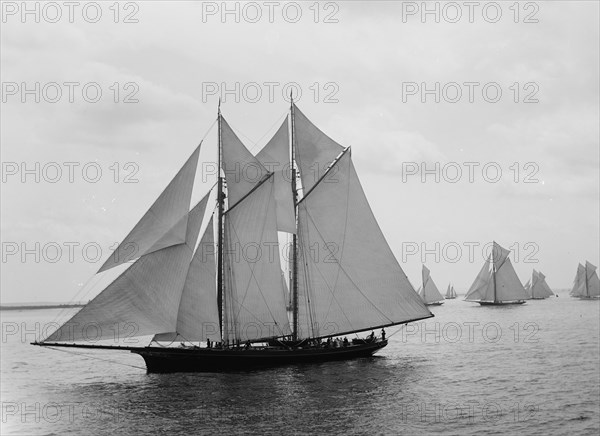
[(382, 334)]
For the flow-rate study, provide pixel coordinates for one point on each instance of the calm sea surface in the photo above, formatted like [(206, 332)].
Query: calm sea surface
[(531, 369)]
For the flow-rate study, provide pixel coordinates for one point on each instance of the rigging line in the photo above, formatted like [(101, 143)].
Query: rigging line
[(402, 326), (95, 357), (254, 277), (346, 273)]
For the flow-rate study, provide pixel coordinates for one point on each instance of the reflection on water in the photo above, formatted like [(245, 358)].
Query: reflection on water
[(532, 369)]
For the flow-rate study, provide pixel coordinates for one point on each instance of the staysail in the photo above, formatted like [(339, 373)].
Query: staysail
[(242, 170), (164, 224), (348, 278), (275, 157), (143, 300)]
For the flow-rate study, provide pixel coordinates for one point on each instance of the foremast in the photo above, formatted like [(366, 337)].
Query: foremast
[(220, 211), (294, 286)]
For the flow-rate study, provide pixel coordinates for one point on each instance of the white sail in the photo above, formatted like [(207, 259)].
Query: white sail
[(508, 285), (253, 295), (198, 317), (164, 224), (275, 157), (315, 151), (348, 277), (430, 293), (528, 287), (579, 282), (539, 288), (143, 300), (453, 293), (477, 290), (242, 170), (593, 284)]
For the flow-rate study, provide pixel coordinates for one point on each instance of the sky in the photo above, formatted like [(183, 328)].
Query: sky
[(466, 125)]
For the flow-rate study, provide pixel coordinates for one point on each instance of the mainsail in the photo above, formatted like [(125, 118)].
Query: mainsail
[(348, 277), (579, 287), (450, 292), (430, 292)]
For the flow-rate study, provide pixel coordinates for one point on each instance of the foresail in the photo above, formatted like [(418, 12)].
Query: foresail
[(315, 151), (242, 170), (508, 285), (198, 318), (254, 294), (348, 277), (143, 300), (275, 157), (164, 224)]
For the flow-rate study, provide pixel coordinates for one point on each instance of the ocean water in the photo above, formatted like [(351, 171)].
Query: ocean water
[(471, 370)]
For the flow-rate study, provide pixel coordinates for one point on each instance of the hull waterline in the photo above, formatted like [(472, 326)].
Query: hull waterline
[(169, 360), (500, 303)]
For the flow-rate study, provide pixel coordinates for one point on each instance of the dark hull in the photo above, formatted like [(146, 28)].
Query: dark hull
[(450, 298), (437, 303), (500, 303), (168, 360)]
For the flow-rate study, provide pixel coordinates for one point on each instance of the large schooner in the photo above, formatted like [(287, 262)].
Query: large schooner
[(429, 292), (223, 303), (586, 284), (498, 285)]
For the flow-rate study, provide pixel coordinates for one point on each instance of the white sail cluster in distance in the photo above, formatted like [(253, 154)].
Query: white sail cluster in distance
[(586, 283), (497, 281), (429, 292), (348, 279)]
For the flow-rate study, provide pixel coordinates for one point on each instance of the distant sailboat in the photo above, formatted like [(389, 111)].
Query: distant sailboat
[(429, 293), (586, 284), (234, 300), (539, 289), (499, 285), (450, 292)]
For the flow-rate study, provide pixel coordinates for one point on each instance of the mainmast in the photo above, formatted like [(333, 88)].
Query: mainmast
[(220, 203), (294, 286)]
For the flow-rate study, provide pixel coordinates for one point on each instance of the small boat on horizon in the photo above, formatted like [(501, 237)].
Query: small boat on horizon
[(497, 283), (450, 292)]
